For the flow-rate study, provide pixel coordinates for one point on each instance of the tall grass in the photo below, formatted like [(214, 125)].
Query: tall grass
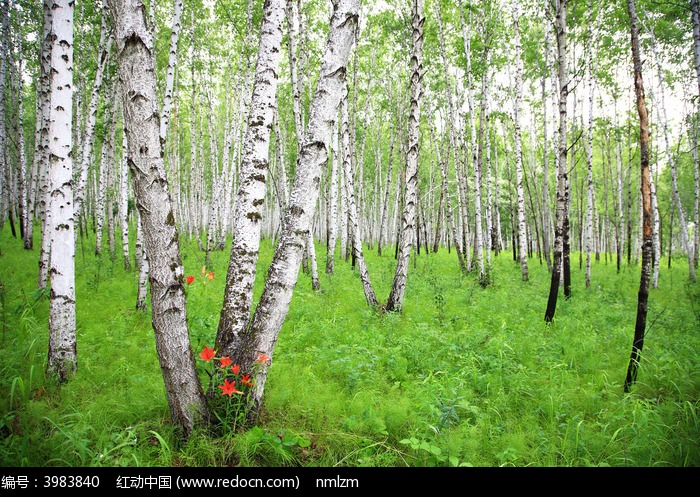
[(465, 375)]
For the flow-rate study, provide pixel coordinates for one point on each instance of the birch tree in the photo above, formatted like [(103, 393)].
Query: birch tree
[(520, 192), (103, 50), (562, 211), (62, 357), (41, 152), (240, 278), (353, 215), (170, 74), (671, 161), (4, 162), (589, 140), (643, 294), (137, 86), (408, 218), (257, 343)]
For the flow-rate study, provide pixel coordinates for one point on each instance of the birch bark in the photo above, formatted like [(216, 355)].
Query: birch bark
[(62, 357), (261, 336), (138, 95), (240, 278), (408, 219)]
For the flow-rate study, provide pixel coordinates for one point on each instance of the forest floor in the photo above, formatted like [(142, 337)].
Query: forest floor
[(465, 375)]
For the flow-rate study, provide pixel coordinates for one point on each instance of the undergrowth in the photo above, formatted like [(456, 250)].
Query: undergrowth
[(467, 375)]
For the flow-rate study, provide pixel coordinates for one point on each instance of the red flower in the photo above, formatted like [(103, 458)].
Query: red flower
[(226, 361), (210, 276), (228, 388), (207, 354), (246, 380), (189, 279), (263, 359), (235, 368)]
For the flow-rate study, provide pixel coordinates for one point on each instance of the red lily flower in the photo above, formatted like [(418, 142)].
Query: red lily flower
[(207, 354), (235, 368), (189, 279), (264, 359), (246, 380), (210, 276), (226, 361), (228, 388)]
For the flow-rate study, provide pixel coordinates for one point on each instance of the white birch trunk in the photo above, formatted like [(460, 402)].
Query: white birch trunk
[(522, 223), (408, 221), (142, 292), (103, 180), (356, 231), (124, 203), (448, 204), (42, 147), (589, 142), (104, 48), (5, 185), (138, 94), (24, 212), (170, 74), (273, 306), (333, 204), (685, 239), (62, 356), (384, 220), (240, 278)]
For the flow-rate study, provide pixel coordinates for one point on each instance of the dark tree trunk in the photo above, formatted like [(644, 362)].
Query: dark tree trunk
[(643, 295)]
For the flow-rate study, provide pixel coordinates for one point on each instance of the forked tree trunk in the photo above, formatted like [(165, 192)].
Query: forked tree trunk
[(408, 219), (245, 247), (643, 294), (258, 342), (137, 84), (62, 358)]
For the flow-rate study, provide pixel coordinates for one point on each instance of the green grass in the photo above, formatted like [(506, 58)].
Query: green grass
[(465, 375)]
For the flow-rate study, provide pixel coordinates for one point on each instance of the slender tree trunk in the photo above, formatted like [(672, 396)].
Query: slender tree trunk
[(104, 48), (102, 201), (448, 203), (562, 214), (685, 239), (186, 399), (333, 204), (260, 337), (356, 231), (522, 221), (124, 203), (62, 358), (142, 293), (42, 146), (643, 295), (170, 74), (408, 220), (5, 185), (589, 144), (383, 228), (240, 278), (24, 213)]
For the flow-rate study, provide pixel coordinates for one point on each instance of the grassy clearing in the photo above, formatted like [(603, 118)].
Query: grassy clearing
[(464, 376)]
